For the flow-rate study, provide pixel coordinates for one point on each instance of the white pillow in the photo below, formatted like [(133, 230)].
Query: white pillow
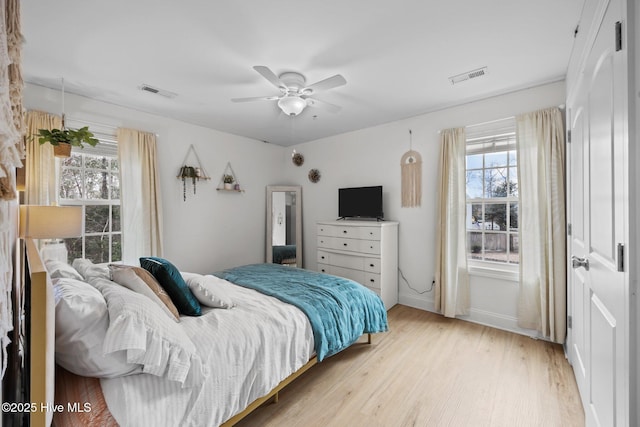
[(82, 320), (149, 337), (208, 290), (88, 269), (58, 269)]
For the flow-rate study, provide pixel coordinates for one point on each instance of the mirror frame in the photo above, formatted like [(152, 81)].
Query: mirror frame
[(297, 189)]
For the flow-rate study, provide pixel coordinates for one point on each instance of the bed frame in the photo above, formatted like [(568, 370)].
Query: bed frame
[(40, 338), (274, 394), (40, 353)]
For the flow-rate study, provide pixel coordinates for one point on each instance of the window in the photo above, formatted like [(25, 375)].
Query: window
[(492, 194), (90, 178)]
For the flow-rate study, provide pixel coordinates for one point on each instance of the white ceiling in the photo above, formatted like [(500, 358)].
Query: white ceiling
[(396, 56)]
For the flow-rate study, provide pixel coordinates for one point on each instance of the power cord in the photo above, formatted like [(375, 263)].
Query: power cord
[(414, 289)]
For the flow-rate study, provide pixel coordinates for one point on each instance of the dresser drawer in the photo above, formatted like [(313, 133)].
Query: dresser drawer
[(325, 230), (324, 268), (348, 231), (369, 233), (372, 265), (347, 261), (371, 280), (325, 242), (347, 273), (353, 245), (324, 257)]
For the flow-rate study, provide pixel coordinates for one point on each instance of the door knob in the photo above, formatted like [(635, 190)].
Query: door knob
[(577, 262)]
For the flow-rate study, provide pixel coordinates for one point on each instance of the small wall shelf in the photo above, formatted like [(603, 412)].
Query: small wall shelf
[(193, 173), (235, 185)]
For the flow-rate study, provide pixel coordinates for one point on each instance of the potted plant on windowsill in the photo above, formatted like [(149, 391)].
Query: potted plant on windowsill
[(63, 139)]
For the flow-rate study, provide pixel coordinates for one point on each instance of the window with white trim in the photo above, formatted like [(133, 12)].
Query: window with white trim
[(90, 178), (492, 194)]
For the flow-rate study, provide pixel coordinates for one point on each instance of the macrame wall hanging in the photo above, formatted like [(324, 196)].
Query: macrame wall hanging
[(411, 168)]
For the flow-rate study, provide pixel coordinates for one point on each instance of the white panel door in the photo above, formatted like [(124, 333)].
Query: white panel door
[(599, 333)]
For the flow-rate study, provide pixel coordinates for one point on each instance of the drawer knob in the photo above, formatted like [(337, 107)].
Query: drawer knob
[(345, 244), (372, 280), (370, 265), (322, 270), (322, 257)]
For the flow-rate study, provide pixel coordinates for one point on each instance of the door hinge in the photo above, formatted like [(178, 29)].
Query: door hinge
[(569, 322), (569, 229), (569, 136), (620, 257), (618, 36)]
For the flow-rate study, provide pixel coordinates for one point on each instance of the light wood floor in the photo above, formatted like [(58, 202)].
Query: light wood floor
[(432, 371)]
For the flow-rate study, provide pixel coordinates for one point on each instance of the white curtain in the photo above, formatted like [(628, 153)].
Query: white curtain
[(140, 203), (542, 298), (40, 163), (452, 276)]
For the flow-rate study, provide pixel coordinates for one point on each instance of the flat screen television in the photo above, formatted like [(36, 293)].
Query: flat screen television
[(360, 202)]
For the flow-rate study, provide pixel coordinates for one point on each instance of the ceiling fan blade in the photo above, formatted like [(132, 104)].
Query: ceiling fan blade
[(255, 98), (328, 83), (332, 108), (269, 75)]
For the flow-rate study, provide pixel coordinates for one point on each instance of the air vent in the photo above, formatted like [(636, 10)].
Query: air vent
[(468, 75), (157, 91)]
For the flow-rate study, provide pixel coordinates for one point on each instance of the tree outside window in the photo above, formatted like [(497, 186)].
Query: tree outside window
[(92, 181)]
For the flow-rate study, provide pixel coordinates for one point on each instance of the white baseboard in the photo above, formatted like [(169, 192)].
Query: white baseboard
[(482, 317)]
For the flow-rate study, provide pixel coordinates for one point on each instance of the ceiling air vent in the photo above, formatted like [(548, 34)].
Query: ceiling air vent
[(157, 91), (479, 72)]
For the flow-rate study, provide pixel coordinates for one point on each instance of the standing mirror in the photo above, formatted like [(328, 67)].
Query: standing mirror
[(284, 225)]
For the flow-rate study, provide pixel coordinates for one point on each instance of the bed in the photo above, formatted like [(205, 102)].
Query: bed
[(210, 369)]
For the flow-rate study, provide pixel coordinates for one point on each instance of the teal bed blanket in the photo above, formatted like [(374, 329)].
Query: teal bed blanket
[(339, 310)]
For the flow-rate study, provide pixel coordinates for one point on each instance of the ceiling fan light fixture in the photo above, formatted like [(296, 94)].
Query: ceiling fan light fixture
[(292, 105)]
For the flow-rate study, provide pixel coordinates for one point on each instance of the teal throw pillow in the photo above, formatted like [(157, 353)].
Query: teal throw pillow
[(173, 283)]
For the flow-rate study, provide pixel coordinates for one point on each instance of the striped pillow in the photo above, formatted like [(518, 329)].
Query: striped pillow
[(140, 280)]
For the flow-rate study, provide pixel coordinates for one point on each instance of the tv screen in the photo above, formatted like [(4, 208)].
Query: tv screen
[(360, 202)]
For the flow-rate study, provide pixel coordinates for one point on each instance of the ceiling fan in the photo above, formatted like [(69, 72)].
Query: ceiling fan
[(294, 95)]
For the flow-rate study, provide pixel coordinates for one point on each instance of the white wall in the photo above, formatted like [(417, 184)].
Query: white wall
[(212, 229), (372, 157)]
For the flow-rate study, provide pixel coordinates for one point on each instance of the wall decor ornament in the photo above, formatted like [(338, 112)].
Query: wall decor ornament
[(314, 175), (193, 173), (229, 180), (411, 170), (297, 158)]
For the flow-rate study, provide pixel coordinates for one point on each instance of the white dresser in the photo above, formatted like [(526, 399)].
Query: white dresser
[(363, 251)]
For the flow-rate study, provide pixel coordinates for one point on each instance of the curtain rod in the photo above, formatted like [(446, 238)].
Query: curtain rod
[(89, 122), (561, 106), (104, 125)]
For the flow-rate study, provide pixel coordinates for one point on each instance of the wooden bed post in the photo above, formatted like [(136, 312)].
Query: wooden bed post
[(40, 338)]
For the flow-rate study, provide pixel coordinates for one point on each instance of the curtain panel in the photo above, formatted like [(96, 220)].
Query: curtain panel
[(140, 201), (452, 277), (40, 164), (541, 176)]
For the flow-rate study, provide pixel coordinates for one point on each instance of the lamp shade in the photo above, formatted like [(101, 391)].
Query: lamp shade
[(292, 105), (50, 222)]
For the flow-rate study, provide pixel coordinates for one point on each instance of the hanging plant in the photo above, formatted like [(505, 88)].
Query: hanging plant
[(63, 139), (187, 172)]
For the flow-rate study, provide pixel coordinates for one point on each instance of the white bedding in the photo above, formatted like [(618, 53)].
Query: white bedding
[(248, 350)]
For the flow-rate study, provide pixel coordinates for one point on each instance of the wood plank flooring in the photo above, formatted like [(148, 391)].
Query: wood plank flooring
[(432, 371)]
